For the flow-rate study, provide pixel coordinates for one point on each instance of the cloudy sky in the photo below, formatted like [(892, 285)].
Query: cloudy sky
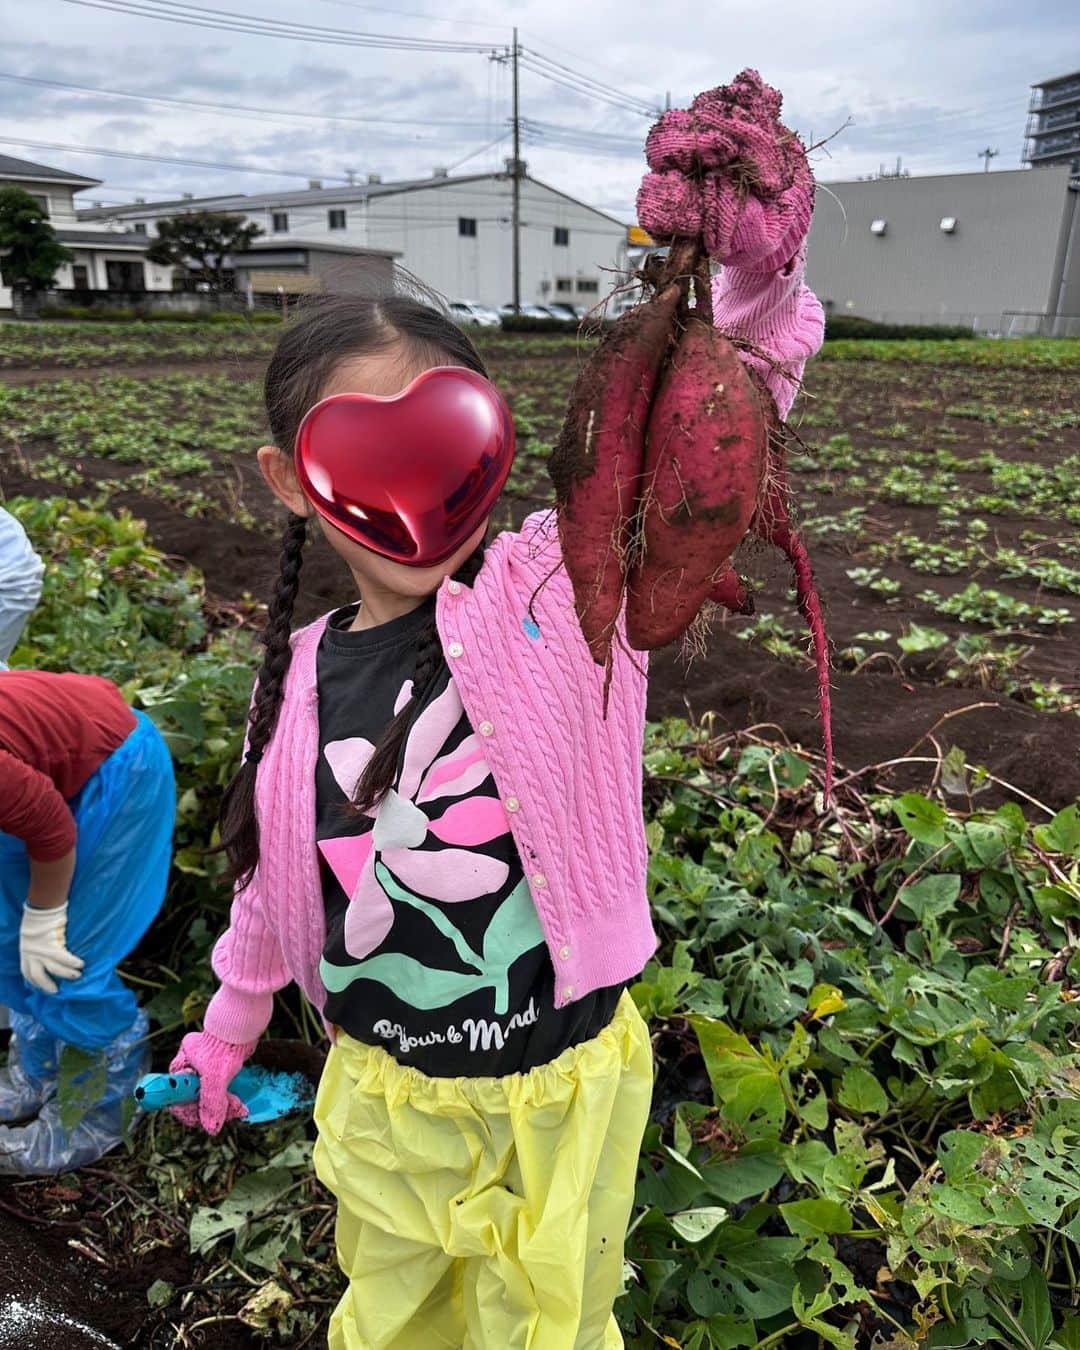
[(933, 81)]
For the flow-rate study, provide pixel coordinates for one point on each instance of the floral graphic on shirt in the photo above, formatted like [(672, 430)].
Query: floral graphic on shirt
[(513, 931), (451, 874)]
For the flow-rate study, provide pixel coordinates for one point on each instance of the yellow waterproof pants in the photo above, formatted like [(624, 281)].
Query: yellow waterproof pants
[(483, 1213)]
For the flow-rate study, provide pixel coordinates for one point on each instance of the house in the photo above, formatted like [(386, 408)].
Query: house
[(453, 234), (108, 257), (270, 268), (997, 251)]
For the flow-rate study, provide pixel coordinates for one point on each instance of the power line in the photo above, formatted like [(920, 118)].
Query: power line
[(234, 22), (162, 159), (242, 108), (586, 83)]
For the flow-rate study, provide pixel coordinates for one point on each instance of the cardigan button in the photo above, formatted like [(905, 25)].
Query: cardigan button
[(454, 587), (512, 804), (539, 880), (568, 993), (455, 649), (564, 953), (486, 728)]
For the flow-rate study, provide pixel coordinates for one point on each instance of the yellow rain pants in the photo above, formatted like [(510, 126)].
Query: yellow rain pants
[(483, 1213)]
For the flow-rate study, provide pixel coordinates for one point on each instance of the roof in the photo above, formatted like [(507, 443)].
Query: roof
[(1056, 79), (314, 246), (10, 167), (102, 239), (358, 192)]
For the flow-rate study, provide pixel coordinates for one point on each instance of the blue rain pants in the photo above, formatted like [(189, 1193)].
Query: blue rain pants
[(124, 816)]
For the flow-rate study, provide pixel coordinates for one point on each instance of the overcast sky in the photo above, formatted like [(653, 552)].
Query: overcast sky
[(934, 81)]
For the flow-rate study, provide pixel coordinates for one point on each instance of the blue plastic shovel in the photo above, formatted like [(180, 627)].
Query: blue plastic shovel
[(267, 1095)]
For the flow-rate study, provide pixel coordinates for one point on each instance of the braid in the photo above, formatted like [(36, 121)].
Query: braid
[(381, 769), (237, 819)]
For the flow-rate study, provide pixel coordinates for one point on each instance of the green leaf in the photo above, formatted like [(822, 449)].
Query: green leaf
[(861, 1092), (749, 1276), (81, 1085), (923, 819), (1062, 835), (812, 1218), (931, 897), (746, 1082), (160, 1294), (252, 1194)]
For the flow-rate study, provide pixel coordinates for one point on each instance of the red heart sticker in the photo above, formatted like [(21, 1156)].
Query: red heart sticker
[(410, 477)]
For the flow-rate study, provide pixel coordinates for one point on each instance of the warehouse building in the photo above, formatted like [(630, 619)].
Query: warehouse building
[(997, 251), (452, 233)]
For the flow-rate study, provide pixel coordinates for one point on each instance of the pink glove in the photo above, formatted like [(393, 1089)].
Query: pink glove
[(727, 169), (217, 1063)]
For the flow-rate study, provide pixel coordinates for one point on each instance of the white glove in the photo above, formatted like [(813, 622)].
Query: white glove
[(43, 948)]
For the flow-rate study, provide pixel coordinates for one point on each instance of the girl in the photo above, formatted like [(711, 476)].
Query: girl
[(86, 815), (438, 835)]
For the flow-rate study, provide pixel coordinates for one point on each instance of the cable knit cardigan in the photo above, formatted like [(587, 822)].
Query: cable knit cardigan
[(570, 779)]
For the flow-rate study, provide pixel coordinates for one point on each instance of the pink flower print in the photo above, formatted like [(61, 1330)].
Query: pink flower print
[(451, 874)]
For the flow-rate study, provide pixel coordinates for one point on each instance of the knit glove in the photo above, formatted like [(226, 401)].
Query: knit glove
[(727, 169), (779, 314), (43, 951), (217, 1063)]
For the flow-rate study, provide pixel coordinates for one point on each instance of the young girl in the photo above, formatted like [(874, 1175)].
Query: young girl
[(438, 835)]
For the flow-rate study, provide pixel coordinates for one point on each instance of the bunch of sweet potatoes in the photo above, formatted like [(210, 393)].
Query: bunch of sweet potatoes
[(671, 453)]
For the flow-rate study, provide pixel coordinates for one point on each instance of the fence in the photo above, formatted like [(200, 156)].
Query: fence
[(1024, 323)]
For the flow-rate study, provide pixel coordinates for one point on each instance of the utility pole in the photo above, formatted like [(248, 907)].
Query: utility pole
[(515, 186), (986, 156)]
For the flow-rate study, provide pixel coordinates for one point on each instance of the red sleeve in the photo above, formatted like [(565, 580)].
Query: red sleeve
[(32, 810)]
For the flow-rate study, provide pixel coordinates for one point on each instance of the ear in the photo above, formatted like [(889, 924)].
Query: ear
[(282, 481)]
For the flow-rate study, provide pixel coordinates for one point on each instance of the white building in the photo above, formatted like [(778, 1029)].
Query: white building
[(107, 257), (452, 234)]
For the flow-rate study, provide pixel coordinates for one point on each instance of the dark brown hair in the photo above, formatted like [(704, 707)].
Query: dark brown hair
[(329, 331)]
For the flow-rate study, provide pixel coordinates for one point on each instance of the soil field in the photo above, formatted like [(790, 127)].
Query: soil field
[(942, 499), (941, 502)]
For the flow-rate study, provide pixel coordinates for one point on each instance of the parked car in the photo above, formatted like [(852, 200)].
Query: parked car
[(559, 309), (472, 314), (530, 311)]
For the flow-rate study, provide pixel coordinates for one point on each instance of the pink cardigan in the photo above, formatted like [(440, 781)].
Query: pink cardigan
[(570, 778)]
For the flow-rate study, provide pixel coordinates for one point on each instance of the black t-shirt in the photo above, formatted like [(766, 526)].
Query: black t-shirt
[(434, 949)]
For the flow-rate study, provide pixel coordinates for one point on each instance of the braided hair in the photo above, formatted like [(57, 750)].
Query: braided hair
[(331, 330)]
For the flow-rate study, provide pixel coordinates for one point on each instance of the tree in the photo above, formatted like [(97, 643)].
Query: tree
[(30, 252), (202, 238)]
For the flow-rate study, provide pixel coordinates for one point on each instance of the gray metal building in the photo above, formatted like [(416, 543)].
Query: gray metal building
[(1053, 133), (997, 251)]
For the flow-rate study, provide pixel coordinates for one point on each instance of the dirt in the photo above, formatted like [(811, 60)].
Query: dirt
[(151, 371)]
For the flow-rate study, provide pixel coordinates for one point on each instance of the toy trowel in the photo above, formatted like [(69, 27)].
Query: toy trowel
[(267, 1094)]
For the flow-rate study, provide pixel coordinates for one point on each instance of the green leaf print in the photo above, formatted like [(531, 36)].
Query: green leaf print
[(514, 930)]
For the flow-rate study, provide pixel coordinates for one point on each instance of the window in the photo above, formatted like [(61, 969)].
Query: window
[(124, 276), (562, 235), (279, 222), (41, 201), (466, 227), (336, 219), (80, 277), (564, 285), (140, 227), (587, 287)]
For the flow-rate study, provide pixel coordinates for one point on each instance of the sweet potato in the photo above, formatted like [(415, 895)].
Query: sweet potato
[(597, 462), (704, 461)]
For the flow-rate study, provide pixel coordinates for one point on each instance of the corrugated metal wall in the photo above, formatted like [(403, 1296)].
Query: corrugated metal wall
[(1005, 253)]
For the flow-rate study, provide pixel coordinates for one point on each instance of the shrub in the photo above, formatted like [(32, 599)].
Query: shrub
[(853, 326)]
